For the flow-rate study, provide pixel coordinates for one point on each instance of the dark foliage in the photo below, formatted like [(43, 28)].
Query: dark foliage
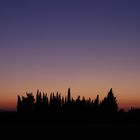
[(68, 105), (56, 116), (65, 108)]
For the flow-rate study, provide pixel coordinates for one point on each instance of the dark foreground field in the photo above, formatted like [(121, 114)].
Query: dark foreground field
[(13, 128), (71, 131)]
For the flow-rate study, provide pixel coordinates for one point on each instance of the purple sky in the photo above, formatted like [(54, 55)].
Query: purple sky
[(87, 45)]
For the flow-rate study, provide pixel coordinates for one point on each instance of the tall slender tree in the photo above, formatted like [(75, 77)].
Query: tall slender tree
[(109, 104)]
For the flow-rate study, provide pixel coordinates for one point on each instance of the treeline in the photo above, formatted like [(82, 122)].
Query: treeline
[(56, 103)]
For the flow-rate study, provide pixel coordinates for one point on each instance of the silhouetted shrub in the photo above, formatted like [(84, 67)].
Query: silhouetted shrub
[(59, 104)]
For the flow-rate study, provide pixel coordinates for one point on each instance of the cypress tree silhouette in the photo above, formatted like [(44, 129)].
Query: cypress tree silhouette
[(30, 102), (96, 104), (67, 104), (19, 104), (69, 96), (38, 107), (45, 103), (58, 104), (96, 101), (83, 105), (109, 104), (78, 101), (26, 105)]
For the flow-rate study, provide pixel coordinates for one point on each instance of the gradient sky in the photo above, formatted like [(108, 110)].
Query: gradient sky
[(87, 45)]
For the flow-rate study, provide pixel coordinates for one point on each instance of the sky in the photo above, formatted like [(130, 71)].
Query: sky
[(89, 46)]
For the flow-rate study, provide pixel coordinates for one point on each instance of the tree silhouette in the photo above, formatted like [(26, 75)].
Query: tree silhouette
[(58, 104), (45, 103), (38, 102), (96, 104), (69, 96), (30, 102), (19, 104), (109, 104), (26, 104)]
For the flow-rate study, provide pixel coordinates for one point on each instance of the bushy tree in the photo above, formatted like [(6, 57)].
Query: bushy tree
[(109, 103)]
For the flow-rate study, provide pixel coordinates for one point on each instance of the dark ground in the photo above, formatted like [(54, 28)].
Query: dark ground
[(12, 128), (71, 131)]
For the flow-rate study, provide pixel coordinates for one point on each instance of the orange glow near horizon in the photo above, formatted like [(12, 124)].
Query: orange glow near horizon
[(88, 46), (125, 101), (87, 83), (124, 87)]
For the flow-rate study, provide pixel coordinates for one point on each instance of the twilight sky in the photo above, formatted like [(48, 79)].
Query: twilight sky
[(87, 45)]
